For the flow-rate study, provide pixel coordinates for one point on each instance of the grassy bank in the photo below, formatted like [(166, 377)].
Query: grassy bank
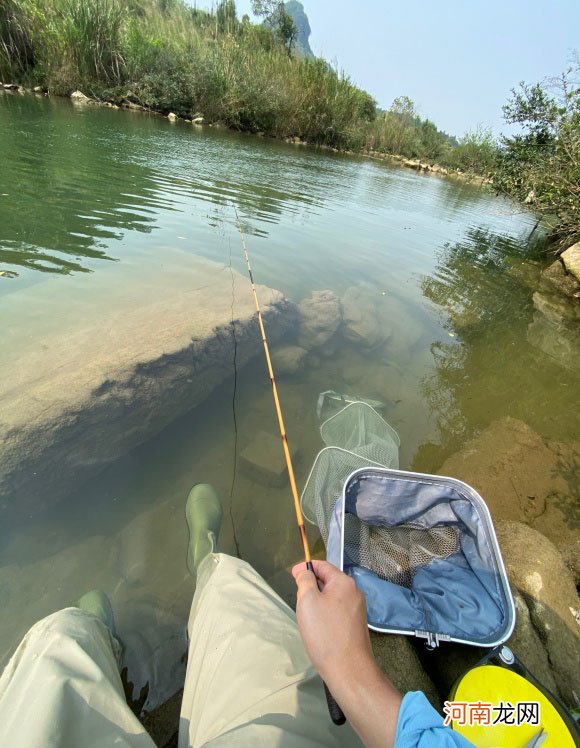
[(168, 56)]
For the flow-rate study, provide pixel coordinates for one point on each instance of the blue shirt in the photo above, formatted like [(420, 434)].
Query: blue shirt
[(420, 726)]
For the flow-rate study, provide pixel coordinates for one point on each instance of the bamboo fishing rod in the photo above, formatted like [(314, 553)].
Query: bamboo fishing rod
[(336, 713), (287, 455)]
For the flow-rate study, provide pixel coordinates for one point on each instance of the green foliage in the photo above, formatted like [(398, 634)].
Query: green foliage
[(541, 164), (400, 131), (16, 48), (476, 152)]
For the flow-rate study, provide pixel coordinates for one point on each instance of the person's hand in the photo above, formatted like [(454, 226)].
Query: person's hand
[(331, 615), (332, 619)]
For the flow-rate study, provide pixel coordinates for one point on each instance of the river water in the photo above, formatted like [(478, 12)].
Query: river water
[(91, 196)]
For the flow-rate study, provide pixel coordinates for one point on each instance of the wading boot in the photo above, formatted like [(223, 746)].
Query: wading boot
[(203, 512), (97, 603)]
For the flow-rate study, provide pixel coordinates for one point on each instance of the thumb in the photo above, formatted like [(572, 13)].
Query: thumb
[(305, 579)]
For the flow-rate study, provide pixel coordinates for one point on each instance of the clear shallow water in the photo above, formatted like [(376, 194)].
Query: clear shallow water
[(93, 197)]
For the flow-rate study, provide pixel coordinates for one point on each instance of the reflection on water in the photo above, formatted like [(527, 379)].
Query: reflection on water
[(444, 268), (489, 368)]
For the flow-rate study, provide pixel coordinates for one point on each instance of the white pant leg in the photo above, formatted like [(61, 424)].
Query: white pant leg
[(62, 688), (249, 681)]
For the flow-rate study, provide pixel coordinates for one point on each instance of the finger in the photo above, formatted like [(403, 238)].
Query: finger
[(306, 582), (325, 571), (298, 569)]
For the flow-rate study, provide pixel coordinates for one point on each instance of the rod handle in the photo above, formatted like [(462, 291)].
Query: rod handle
[(336, 713)]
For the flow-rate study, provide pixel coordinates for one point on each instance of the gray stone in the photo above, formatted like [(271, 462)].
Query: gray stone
[(263, 460), (571, 260), (288, 359), (526, 644), (320, 318), (172, 117), (80, 390), (197, 120), (556, 276)]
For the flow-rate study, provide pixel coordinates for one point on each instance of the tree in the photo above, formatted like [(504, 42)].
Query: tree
[(541, 164), (276, 17)]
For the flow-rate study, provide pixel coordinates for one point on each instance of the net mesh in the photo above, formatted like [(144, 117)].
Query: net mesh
[(394, 553), (357, 437)]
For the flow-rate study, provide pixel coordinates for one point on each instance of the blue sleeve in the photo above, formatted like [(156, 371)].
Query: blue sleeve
[(420, 726)]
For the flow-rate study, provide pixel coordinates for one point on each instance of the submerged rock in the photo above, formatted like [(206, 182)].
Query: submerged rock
[(263, 460), (554, 328), (365, 318), (518, 475), (79, 392), (320, 318), (288, 359)]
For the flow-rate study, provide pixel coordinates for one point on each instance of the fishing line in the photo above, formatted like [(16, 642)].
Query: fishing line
[(234, 392), (334, 709)]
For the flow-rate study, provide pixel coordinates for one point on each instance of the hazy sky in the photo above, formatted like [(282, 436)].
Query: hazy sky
[(457, 59)]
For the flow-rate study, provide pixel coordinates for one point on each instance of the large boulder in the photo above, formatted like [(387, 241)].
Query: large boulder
[(397, 657), (320, 318), (89, 381), (571, 555), (366, 321), (555, 276), (537, 570), (288, 359), (571, 260), (519, 476)]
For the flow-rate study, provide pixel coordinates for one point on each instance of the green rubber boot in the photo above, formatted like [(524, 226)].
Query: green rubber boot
[(203, 512), (97, 603)]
